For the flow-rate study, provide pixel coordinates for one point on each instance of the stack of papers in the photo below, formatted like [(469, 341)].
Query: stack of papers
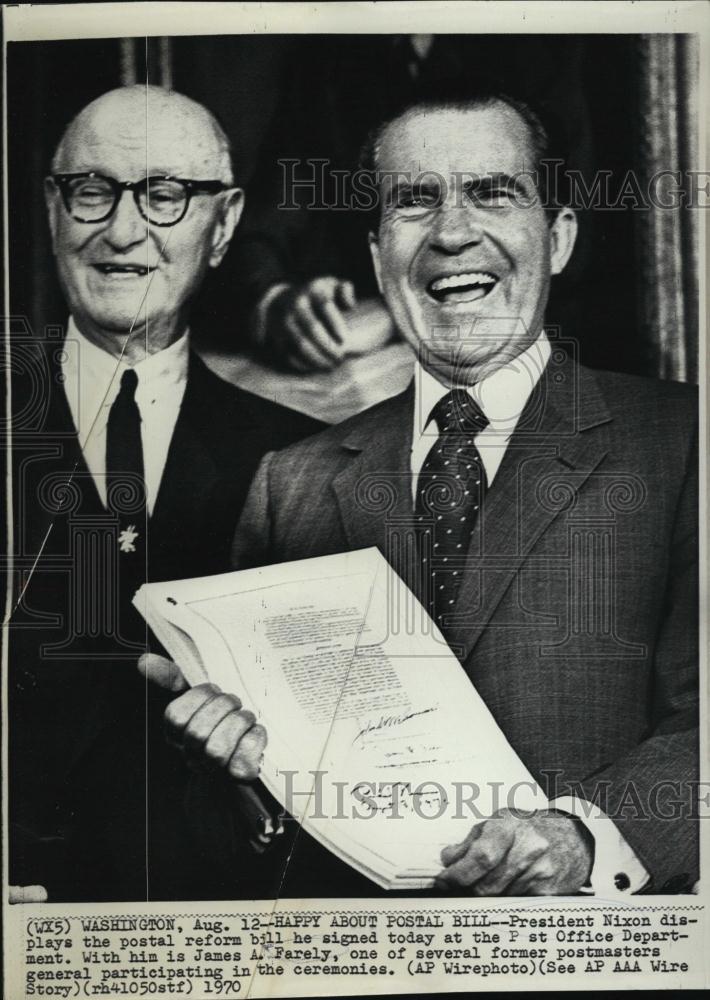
[(353, 681)]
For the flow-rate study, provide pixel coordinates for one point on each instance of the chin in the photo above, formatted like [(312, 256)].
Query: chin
[(470, 360), (451, 324), (118, 323), (462, 330)]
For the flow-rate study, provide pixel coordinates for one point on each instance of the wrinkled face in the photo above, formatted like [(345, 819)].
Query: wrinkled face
[(464, 252), (124, 274)]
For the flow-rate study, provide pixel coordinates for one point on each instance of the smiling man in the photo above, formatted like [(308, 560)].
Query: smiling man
[(137, 470), (133, 245), (552, 511), (463, 240)]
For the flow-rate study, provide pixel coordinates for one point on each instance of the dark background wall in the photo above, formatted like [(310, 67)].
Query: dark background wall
[(244, 79)]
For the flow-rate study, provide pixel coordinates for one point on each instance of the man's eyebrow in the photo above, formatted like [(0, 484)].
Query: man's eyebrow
[(475, 182), (400, 187)]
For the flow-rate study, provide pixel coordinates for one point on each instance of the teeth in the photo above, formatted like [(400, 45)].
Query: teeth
[(459, 280), (124, 269)]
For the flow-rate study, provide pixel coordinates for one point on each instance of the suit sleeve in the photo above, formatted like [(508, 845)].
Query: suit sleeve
[(252, 538), (651, 793)]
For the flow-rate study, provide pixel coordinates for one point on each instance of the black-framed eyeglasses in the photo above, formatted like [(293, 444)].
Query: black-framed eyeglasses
[(162, 201)]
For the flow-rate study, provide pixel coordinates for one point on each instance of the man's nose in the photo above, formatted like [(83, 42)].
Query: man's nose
[(455, 228), (126, 228)]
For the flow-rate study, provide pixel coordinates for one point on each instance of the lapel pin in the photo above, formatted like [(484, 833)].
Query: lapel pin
[(126, 539)]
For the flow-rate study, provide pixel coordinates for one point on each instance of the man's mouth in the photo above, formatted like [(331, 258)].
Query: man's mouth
[(465, 287), (124, 270)]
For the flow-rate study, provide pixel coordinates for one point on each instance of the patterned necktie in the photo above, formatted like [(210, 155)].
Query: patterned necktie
[(450, 493), (125, 479)]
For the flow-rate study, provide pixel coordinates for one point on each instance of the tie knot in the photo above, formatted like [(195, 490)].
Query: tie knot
[(129, 381), (457, 412)]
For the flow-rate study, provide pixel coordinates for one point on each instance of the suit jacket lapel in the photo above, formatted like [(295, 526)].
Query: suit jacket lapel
[(374, 490), (553, 451), (190, 470), (60, 461)]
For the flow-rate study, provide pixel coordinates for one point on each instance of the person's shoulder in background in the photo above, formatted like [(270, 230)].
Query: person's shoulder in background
[(236, 407), (327, 448)]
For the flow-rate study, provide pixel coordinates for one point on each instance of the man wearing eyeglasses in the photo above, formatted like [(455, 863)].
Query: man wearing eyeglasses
[(138, 471)]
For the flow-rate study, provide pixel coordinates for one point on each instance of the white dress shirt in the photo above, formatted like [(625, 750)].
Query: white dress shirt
[(92, 380), (502, 396)]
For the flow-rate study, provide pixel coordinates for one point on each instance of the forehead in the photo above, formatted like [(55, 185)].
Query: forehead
[(478, 140), (131, 138)]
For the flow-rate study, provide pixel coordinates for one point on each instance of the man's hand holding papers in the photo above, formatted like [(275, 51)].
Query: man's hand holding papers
[(336, 659), (534, 853), (544, 853), (209, 726)]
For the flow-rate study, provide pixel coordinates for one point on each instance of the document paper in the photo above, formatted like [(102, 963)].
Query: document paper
[(353, 681)]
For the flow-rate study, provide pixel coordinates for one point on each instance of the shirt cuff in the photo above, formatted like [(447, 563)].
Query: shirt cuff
[(616, 870)]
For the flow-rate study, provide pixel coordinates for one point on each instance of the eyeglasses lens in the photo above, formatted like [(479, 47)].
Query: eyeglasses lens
[(92, 199), (162, 201)]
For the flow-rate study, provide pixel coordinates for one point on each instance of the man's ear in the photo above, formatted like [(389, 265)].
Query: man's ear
[(226, 223), (563, 234), (51, 200), (375, 254)]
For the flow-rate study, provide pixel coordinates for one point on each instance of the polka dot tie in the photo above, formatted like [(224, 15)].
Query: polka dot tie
[(450, 493)]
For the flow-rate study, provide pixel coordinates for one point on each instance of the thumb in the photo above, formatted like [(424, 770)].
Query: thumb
[(453, 852), (162, 672)]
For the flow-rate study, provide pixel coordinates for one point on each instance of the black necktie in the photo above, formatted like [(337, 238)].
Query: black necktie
[(450, 492), (125, 480)]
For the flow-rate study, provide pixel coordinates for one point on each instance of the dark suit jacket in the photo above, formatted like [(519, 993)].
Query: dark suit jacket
[(96, 796), (578, 614)]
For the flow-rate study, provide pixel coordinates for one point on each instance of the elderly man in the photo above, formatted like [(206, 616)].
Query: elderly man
[(137, 469), (563, 573)]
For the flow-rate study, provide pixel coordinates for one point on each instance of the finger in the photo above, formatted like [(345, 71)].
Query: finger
[(325, 309), (246, 760), (335, 323), (199, 729), (326, 340), (27, 894), (524, 853), (225, 737), (483, 854), (162, 672), (311, 356), (455, 851), (295, 362), (180, 711), (324, 289), (535, 880), (345, 295), (302, 347)]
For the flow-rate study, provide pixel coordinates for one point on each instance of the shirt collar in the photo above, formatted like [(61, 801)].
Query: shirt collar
[(98, 371), (502, 395)]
